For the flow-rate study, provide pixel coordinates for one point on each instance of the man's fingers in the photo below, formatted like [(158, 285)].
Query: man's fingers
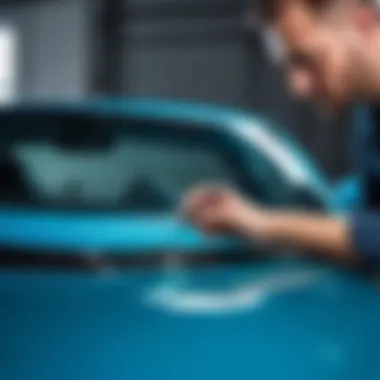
[(204, 199), (196, 201)]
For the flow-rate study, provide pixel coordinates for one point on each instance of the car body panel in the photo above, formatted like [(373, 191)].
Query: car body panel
[(283, 317), (94, 232), (348, 196), (108, 326)]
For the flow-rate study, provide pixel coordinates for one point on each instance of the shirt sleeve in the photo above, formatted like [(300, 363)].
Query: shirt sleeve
[(365, 230)]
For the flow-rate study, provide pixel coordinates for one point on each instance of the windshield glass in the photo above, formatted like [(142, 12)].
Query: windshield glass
[(95, 162)]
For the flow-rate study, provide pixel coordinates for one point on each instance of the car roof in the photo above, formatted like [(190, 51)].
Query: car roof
[(195, 114), (183, 113), (165, 109)]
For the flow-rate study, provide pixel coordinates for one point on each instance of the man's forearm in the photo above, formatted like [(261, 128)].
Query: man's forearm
[(303, 231)]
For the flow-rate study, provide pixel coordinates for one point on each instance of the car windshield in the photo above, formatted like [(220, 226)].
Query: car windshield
[(55, 160)]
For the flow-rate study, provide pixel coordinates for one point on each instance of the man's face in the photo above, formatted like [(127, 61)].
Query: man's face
[(321, 57)]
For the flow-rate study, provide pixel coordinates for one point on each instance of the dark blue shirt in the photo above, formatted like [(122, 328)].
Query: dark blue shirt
[(366, 223)]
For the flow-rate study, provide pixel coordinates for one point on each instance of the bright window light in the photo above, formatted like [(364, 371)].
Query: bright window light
[(8, 64)]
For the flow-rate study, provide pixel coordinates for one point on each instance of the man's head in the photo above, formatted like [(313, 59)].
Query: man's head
[(331, 48)]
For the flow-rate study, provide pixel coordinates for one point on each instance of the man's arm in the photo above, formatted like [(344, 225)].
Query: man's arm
[(222, 211), (302, 231), (350, 239)]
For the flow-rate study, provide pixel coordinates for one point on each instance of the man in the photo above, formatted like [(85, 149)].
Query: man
[(332, 55)]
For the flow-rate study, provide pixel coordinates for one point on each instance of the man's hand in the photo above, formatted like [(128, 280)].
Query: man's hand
[(223, 211)]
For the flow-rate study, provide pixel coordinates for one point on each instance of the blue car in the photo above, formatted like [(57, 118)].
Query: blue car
[(100, 279)]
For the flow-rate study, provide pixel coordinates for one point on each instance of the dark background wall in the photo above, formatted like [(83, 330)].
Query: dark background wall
[(54, 41), (188, 49)]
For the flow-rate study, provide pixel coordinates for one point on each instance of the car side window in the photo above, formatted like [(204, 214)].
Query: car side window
[(123, 166)]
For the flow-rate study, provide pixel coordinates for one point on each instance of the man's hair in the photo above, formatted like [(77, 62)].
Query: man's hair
[(268, 10)]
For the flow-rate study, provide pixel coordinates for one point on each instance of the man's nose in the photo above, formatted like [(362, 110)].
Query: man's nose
[(301, 84)]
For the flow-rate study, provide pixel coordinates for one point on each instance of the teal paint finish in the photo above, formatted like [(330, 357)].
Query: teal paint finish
[(288, 319), (96, 327), (348, 196), (93, 232)]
